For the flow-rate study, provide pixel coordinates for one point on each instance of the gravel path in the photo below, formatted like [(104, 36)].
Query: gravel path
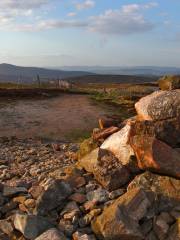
[(30, 160)]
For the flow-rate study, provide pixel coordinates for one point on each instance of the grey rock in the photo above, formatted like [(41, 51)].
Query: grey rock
[(9, 191), (100, 195), (31, 226), (52, 234), (54, 196), (158, 105)]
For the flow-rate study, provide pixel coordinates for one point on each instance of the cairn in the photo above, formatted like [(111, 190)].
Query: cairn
[(124, 185)]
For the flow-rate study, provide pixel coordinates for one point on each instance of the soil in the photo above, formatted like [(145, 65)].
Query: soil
[(65, 118)]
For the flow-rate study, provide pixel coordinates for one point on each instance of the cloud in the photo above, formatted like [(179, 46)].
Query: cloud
[(71, 14), (85, 5), (22, 4), (127, 20), (51, 24), (11, 9)]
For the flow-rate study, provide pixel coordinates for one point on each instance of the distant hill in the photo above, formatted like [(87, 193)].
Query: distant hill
[(113, 79), (12, 73), (140, 70)]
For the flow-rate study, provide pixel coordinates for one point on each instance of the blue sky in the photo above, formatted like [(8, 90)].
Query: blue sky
[(90, 32)]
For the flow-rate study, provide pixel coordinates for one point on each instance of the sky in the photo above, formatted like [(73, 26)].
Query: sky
[(54, 33)]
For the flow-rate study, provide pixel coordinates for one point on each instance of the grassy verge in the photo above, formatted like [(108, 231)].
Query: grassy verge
[(78, 135)]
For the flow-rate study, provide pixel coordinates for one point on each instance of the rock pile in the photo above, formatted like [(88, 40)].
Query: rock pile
[(125, 185)]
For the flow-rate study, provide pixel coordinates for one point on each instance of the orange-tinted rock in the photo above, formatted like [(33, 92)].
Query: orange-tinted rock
[(167, 131), (163, 186), (156, 155), (78, 197), (121, 219), (108, 122), (36, 191), (77, 181), (169, 82), (160, 105), (107, 169), (105, 133)]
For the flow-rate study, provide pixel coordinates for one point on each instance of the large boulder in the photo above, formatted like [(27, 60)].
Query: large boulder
[(160, 105), (166, 188), (109, 172), (55, 194), (118, 144), (31, 226), (169, 82), (107, 169), (121, 219), (155, 155), (167, 131)]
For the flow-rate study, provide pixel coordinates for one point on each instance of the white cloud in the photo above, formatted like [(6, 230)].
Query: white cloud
[(129, 19), (11, 9), (51, 24), (151, 5), (22, 4), (126, 20), (71, 14), (85, 5)]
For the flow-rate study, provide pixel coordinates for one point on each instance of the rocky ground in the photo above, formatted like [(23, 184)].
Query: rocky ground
[(30, 160), (121, 184)]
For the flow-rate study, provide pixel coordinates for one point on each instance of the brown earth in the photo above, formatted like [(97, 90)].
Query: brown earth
[(66, 117)]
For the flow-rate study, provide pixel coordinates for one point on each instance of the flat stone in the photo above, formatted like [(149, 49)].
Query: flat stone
[(99, 196), (52, 234), (78, 197), (9, 191), (54, 196), (31, 226)]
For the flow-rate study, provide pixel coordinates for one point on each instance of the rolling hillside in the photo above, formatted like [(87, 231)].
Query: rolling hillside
[(12, 73), (112, 79)]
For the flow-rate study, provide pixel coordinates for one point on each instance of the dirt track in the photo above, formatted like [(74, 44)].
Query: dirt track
[(65, 117)]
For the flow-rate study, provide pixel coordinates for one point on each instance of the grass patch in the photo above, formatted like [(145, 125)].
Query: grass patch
[(77, 135)]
